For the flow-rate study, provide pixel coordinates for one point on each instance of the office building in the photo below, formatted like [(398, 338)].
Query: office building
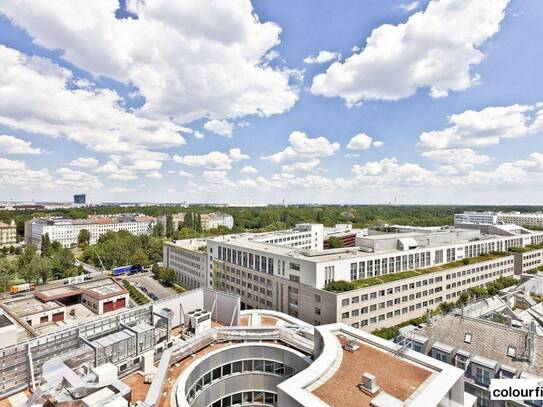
[(66, 231), (8, 234), (80, 199), (386, 279), (244, 358), (483, 349), (528, 220), (189, 258)]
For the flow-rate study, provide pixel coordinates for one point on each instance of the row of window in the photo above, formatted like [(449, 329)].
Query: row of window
[(247, 398), (238, 367)]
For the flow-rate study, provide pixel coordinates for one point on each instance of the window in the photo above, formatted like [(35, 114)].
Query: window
[(511, 351), (467, 338)]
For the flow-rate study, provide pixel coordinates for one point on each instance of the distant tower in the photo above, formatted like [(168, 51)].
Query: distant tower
[(80, 199)]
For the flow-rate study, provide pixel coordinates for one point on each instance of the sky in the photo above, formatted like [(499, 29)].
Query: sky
[(310, 101)]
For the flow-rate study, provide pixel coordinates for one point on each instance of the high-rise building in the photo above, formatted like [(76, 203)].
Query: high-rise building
[(80, 199)]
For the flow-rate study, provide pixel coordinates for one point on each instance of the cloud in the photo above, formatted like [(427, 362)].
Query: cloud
[(485, 127), (248, 170), (322, 57), (303, 152), (119, 190), (185, 174), (68, 178), (363, 142), (220, 127), (89, 116), (214, 159), (410, 6), (198, 135), (153, 175), (458, 158), (210, 60), (14, 145), (84, 162), (420, 53), (389, 171)]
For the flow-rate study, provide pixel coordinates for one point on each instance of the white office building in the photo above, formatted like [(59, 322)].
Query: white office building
[(66, 231), (393, 276), (528, 220)]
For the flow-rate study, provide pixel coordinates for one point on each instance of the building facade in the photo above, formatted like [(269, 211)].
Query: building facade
[(215, 219), (8, 234), (189, 260), (66, 231), (529, 220)]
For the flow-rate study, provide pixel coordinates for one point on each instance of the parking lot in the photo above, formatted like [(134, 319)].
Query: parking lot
[(151, 287)]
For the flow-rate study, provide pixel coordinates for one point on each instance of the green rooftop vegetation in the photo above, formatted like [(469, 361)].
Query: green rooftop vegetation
[(527, 248), (342, 286)]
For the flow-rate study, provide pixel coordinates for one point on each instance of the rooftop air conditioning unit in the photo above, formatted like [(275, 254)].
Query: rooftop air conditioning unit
[(351, 346), (369, 384), (198, 321)]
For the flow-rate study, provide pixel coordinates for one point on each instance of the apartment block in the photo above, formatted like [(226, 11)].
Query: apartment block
[(215, 219), (66, 231), (8, 234)]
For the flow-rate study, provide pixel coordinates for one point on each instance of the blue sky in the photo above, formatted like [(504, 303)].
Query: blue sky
[(310, 101)]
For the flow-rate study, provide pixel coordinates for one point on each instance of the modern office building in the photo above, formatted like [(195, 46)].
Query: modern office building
[(527, 258), (189, 257), (255, 357), (528, 220), (66, 231), (80, 199), (8, 234), (189, 260), (386, 279), (483, 349)]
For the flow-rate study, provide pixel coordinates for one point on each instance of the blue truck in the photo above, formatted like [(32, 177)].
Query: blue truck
[(117, 271)]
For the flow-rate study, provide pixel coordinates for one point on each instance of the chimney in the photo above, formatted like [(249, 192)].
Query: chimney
[(369, 384)]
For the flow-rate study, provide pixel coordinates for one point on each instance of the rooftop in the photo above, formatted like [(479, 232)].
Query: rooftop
[(489, 340), (25, 306), (396, 376)]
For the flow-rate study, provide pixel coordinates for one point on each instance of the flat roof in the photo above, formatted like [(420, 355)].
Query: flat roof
[(5, 321), (317, 256), (23, 307), (394, 375), (57, 293), (101, 288)]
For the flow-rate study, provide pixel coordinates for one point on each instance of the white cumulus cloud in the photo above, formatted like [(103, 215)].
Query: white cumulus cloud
[(322, 57), (14, 145), (435, 48), (220, 127)]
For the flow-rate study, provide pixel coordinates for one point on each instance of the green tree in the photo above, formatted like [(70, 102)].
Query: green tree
[(41, 267), (168, 276), (158, 229), (45, 245), (169, 225), (335, 242), (7, 273), (83, 238), (139, 258)]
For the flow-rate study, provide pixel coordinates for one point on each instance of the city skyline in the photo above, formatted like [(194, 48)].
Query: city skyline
[(426, 102)]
